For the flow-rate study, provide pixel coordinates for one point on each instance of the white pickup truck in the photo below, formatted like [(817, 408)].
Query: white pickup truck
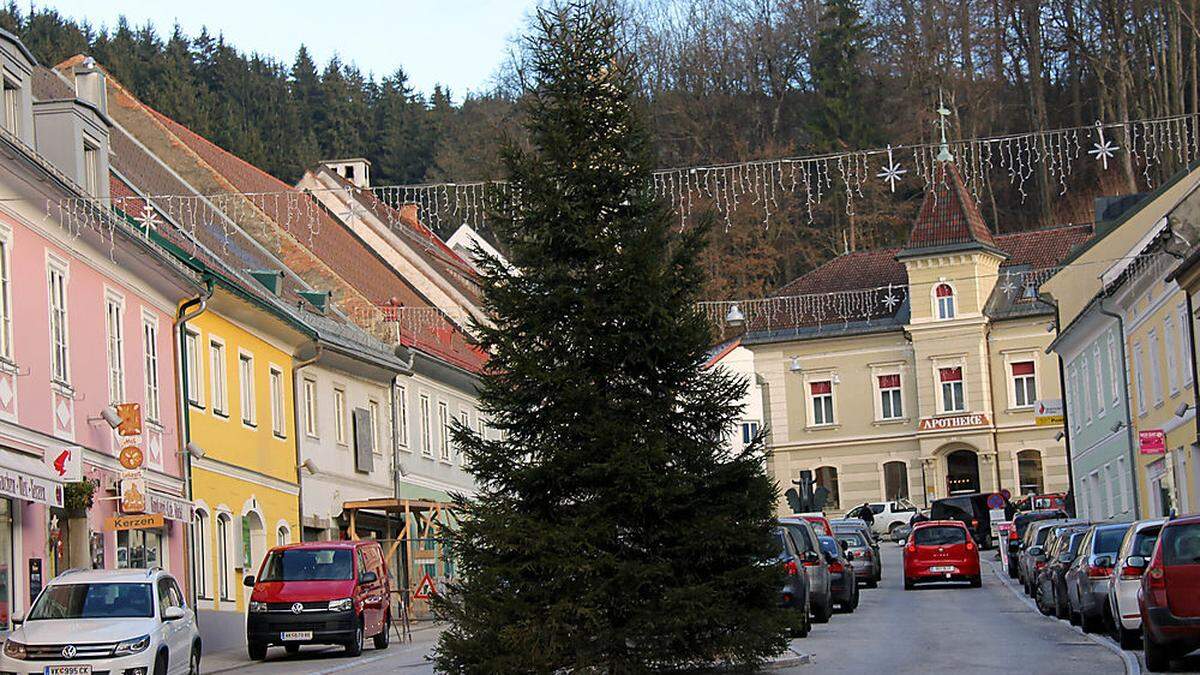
[(887, 515)]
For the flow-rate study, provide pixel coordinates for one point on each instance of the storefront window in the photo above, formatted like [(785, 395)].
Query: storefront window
[(6, 556), (139, 549)]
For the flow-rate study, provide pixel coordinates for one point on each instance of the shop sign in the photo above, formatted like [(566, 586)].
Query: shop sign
[(143, 521), (172, 508), (1049, 412), (65, 463), (1152, 441), (131, 456), (30, 488), (953, 422), (133, 492), (131, 419)]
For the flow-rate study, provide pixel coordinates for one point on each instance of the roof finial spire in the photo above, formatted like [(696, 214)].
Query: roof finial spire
[(944, 152)]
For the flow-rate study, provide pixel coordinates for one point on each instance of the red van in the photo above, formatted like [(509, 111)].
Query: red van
[(327, 592), (941, 550), (1169, 601)]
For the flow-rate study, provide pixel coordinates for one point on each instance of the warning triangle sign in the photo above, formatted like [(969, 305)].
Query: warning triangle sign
[(425, 589)]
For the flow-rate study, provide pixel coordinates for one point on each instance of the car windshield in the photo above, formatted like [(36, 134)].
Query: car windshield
[(1181, 545), (93, 601), (853, 540), (308, 564), (958, 509), (1108, 539), (939, 536)]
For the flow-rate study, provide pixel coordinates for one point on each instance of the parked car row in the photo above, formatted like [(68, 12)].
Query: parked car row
[(826, 563), (1138, 581)]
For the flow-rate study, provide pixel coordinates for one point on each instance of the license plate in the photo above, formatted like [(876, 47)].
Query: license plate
[(295, 635), (944, 568), (68, 670)]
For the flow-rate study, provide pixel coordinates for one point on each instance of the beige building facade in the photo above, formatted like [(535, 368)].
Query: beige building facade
[(925, 381)]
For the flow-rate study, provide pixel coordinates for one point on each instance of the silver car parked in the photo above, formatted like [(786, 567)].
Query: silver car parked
[(868, 574), (816, 569), (1087, 578)]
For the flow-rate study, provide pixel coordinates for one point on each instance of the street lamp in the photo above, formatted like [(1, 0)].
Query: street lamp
[(735, 317), (1183, 409)]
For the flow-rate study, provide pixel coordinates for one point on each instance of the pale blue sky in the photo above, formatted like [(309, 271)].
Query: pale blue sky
[(458, 43)]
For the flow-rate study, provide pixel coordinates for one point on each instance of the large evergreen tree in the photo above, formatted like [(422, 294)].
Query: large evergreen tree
[(613, 529)]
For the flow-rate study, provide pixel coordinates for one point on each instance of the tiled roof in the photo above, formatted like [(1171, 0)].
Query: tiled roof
[(949, 215), (852, 271)]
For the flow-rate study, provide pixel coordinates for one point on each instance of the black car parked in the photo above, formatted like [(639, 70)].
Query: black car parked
[(1050, 589), (1021, 523), (971, 510), (794, 594), (841, 574)]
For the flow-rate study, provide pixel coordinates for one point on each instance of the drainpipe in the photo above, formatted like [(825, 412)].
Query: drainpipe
[(187, 311), (1191, 338), (1137, 510), (297, 391), (1062, 389)]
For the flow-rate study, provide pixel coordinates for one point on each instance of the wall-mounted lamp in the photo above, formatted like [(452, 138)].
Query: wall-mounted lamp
[(109, 415), (795, 367), (1051, 327), (1118, 426), (309, 466), (1183, 409), (735, 317), (192, 449), (1059, 436)]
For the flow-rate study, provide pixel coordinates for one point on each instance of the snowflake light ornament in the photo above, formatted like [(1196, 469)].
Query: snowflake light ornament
[(891, 173), (890, 300), (1103, 149), (148, 219)]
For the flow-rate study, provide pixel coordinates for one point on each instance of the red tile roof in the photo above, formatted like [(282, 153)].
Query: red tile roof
[(949, 214)]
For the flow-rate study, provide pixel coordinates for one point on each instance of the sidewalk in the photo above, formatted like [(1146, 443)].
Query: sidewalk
[(237, 660)]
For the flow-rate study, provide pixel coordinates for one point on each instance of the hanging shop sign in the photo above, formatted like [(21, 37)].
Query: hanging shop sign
[(131, 456), (141, 521), (133, 492), (66, 463), (131, 419), (1049, 412), (1152, 441), (169, 507), (953, 422)]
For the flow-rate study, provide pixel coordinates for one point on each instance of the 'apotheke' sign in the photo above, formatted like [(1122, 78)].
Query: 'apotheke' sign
[(953, 422)]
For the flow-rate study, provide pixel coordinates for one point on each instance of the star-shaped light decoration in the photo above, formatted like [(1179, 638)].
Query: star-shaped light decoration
[(1008, 286), (891, 173), (1102, 149), (890, 300), (148, 219)]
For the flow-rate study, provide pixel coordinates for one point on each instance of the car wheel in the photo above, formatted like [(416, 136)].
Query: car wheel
[(976, 581), (1128, 639), (1012, 568), (1089, 624), (160, 664), (908, 585), (355, 647), (805, 620), (1042, 603), (292, 650), (1158, 659), (825, 612), (384, 636), (256, 650), (1060, 607), (872, 583), (194, 661), (1072, 617), (893, 529)]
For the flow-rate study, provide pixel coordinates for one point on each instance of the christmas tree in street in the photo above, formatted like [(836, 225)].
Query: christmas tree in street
[(614, 530)]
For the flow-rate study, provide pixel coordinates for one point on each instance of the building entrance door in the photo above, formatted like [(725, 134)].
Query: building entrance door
[(962, 472)]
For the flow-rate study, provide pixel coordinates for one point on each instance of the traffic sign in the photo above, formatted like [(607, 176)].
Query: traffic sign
[(995, 501), (425, 589)]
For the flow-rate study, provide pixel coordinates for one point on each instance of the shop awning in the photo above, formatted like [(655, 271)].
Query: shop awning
[(25, 477)]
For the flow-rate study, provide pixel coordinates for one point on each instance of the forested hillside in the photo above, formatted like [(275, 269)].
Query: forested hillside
[(723, 82)]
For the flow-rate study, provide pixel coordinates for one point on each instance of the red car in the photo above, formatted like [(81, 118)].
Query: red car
[(821, 524), (941, 550), (327, 592), (1169, 600)]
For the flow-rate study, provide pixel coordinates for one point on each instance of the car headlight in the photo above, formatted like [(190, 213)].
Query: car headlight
[(343, 605), (132, 646), (257, 607), (14, 650)]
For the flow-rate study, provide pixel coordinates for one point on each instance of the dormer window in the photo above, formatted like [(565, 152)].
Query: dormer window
[(945, 301), (91, 168), (12, 108)]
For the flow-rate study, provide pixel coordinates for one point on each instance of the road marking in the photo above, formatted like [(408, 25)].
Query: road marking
[(1132, 667), (364, 661)]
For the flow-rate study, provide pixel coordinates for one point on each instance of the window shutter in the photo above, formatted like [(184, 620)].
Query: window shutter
[(889, 381), (951, 374), (944, 291), (819, 388), (1022, 368), (364, 441)]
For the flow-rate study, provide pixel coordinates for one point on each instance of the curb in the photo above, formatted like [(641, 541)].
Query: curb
[(787, 660), (1132, 665)]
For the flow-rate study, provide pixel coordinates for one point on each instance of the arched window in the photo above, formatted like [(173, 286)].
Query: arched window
[(201, 560), (827, 477), (895, 481), (283, 536), (1029, 472), (224, 556), (945, 301)]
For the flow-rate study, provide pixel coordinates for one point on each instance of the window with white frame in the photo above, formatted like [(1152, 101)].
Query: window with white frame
[(91, 169), (944, 296), (1122, 472), (6, 351), (224, 555), (951, 380), (311, 427), (1096, 360), (464, 417), (1073, 395), (1085, 386), (821, 393), (1152, 364), (114, 337), (1024, 383), (278, 418), (1185, 339), (444, 426), (201, 562), (150, 350), (339, 415), (1108, 491), (60, 369), (217, 378), (12, 107), (749, 432), (1169, 344), (195, 367), (1116, 368), (1139, 385), (373, 408), (426, 424), (402, 416), (246, 388), (891, 405)]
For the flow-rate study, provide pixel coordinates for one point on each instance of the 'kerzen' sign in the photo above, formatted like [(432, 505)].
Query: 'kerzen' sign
[(953, 422)]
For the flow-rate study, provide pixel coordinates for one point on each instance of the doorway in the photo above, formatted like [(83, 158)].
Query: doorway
[(962, 472)]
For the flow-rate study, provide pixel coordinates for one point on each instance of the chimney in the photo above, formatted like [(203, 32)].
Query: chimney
[(356, 171), (90, 84)]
